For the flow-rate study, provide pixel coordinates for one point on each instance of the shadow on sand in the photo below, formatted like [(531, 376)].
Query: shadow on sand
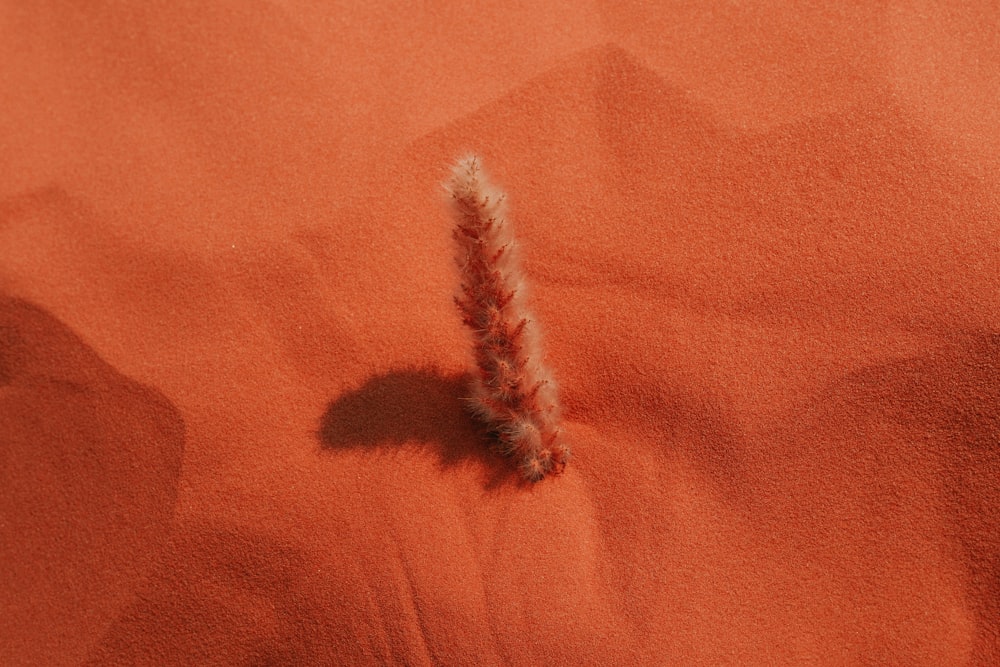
[(413, 408)]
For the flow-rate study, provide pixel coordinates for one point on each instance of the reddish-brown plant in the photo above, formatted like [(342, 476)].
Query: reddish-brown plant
[(513, 391)]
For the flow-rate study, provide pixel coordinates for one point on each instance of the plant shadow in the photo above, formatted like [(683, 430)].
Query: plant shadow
[(412, 407)]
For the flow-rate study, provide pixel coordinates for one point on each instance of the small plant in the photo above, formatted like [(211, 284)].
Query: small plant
[(513, 392)]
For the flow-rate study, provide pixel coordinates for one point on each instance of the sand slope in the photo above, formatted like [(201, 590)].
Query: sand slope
[(91, 462)]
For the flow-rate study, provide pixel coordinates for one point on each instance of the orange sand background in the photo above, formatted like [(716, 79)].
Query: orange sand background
[(763, 243)]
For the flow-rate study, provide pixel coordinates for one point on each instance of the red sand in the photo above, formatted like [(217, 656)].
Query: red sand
[(763, 242)]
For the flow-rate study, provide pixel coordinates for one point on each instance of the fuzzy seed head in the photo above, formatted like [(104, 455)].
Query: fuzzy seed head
[(513, 392)]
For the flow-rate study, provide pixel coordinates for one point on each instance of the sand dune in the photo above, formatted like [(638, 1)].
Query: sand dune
[(769, 304)]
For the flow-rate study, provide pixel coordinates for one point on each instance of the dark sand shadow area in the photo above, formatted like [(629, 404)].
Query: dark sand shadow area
[(88, 483)]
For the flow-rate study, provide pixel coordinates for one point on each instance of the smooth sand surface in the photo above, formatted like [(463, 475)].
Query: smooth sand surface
[(763, 246)]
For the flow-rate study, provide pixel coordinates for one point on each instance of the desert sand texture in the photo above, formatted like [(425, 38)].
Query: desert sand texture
[(762, 243)]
